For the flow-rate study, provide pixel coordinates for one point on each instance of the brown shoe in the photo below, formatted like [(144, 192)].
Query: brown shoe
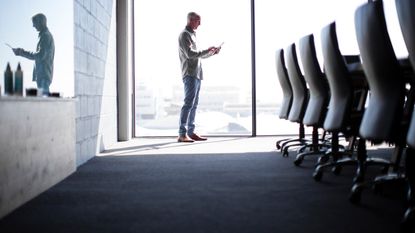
[(197, 137), (184, 139)]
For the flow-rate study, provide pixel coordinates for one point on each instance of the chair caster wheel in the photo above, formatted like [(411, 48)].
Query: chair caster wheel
[(336, 170), (298, 161), (285, 153), (278, 146), (317, 175), (355, 194)]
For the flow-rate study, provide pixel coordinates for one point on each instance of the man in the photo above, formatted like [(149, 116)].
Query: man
[(44, 55), (192, 75)]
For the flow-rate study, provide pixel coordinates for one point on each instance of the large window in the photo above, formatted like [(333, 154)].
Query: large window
[(225, 98), (225, 104), (278, 24)]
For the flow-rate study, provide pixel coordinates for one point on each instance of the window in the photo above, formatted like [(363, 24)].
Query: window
[(277, 25), (16, 29), (225, 99), (225, 102)]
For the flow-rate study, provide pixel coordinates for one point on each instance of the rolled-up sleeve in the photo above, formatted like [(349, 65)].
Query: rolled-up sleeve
[(188, 49)]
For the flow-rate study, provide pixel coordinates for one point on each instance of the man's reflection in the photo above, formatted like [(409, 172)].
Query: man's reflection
[(45, 52)]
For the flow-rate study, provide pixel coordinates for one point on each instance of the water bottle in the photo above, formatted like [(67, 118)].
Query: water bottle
[(18, 81), (8, 80)]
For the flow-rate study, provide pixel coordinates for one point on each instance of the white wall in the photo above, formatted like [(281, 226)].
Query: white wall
[(95, 77)]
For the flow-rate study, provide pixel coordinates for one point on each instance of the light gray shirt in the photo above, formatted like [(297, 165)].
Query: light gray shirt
[(44, 55), (189, 55)]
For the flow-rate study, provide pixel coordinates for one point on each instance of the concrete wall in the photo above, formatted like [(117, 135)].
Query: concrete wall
[(37, 147), (95, 77)]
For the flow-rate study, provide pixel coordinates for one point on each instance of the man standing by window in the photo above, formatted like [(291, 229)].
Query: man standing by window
[(192, 75), (44, 55)]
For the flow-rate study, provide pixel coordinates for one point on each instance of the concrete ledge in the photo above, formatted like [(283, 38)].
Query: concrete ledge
[(37, 141)]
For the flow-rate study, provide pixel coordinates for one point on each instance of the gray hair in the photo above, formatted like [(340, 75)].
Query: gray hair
[(40, 18), (192, 15)]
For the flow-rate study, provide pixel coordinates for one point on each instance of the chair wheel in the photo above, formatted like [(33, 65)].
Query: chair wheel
[(336, 170), (278, 146), (285, 153), (317, 175), (298, 161), (355, 194)]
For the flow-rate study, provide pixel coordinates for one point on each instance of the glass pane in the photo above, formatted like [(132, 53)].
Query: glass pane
[(280, 23), (225, 97), (17, 30)]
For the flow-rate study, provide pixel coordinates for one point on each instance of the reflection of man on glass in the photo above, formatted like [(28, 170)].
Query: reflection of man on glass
[(45, 52), (192, 75)]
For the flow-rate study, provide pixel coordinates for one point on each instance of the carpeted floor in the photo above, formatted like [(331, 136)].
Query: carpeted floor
[(216, 186)]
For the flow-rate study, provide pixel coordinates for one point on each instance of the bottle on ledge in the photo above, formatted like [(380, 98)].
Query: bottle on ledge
[(8, 80), (18, 81)]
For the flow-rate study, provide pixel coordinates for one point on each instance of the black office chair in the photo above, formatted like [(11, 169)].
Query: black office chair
[(285, 85), (383, 120), (348, 94), (319, 97), (406, 16), (300, 96), (286, 91)]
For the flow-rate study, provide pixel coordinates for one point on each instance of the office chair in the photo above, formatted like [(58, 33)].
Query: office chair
[(385, 119), (287, 93), (406, 17), (348, 95), (300, 96), (319, 96), (285, 85)]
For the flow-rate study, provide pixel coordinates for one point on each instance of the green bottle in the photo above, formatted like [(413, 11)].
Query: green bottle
[(18, 81), (8, 80)]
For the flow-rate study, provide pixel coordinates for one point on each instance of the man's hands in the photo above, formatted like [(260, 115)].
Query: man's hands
[(17, 51), (217, 50), (214, 50)]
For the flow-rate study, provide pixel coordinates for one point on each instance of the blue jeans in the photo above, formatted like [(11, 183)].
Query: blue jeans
[(44, 84), (191, 99)]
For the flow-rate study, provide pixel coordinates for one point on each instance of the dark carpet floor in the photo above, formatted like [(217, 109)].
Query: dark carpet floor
[(240, 192)]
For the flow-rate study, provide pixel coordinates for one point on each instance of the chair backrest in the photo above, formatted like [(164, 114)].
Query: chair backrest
[(287, 91), (317, 83), (383, 115), (338, 77), (298, 84), (406, 16)]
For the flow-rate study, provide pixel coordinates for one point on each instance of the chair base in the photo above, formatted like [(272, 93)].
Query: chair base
[(315, 150), (361, 162)]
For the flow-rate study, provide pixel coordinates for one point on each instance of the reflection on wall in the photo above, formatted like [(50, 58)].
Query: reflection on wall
[(16, 29)]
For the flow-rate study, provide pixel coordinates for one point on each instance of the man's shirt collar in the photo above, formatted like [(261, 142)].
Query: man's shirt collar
[(188, 28)]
